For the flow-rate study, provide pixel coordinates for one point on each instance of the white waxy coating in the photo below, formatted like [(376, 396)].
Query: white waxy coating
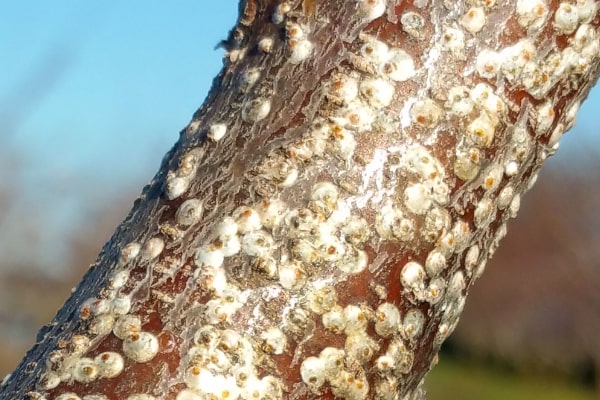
[(271, 213), (532, 14), (586, 9), (354, 262), (325, 192), (257, 243), (557, 133), (120, 305), (141, 347), (209, 256), (412, 324), (333, 359), (50, 380), (545, 117), (435, 263), (473, 20), (127, 325), (516, 57), (331, 249), (321, 298), (347, 386), (85, 370), (345, 88), (280, 12), (488, 63), (230, 245), (356, 230), (412, 275), (110, 364), (360, 347), (484, 96), (312, 371), (95, 306), (481, 131), (356, 320), (454, 41), (265, 45), (532, 180), (334, 320), (492, 177), (153, 248), (344, 144), (511, 168), (256, 110), (305, 251), (472, 258), (119, 279), (467, 163), (247, 219), (216, 132), (425, 113), (80, 344), (189, 212), (385, 363), (514, 206), (294, 31), (248, 79), (400, 66), (187, 394), (129, 253), (67, 396), (417, 199), (300, 50), (484, 213), (413, 24), (274, 340), (457, 285), (459, 101), (291, 276), (176, 186), (387, 319), (462, 233), (227, 227), (566, 18), (102, 324), (378, 92), (375, 51), (95, 397), (435, 290), (371, 9)]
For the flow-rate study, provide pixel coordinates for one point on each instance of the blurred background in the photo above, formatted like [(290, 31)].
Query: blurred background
[(92, 94)]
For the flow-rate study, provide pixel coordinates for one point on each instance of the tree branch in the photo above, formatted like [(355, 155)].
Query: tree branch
[(314, 231)]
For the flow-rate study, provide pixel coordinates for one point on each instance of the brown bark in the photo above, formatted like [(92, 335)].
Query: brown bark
[(314, 231)]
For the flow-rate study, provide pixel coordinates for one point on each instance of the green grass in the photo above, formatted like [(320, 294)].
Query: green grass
[(453, 380)]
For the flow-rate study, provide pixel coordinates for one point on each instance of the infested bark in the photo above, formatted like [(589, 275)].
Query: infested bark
[(314, 231)]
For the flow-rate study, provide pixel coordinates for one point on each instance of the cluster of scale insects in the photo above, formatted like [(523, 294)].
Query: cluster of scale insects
[(301, 250)]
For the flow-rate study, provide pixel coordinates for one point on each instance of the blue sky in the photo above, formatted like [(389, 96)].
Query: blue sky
[(92, 94), (99, 81)]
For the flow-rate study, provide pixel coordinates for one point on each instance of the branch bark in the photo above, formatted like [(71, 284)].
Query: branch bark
[(314, 231)]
